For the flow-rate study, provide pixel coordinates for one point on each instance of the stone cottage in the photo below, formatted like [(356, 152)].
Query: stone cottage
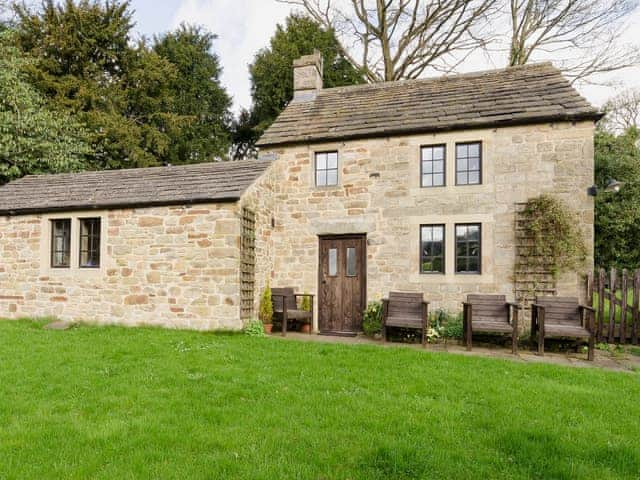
[(410, 186)]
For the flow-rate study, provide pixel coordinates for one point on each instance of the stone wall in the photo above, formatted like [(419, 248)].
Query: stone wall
[(167, 266), (379, 194)]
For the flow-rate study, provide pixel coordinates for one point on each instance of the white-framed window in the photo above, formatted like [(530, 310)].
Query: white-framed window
[(326, 168)]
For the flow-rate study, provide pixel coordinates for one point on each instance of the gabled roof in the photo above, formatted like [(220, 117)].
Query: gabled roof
[(138, 187), (511, 96)]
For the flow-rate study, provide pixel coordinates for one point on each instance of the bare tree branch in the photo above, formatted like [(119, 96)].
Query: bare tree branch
[(582, 34), (396, 39), (623, 111)]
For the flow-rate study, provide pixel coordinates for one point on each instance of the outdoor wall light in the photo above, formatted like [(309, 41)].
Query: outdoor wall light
[(613, 186)]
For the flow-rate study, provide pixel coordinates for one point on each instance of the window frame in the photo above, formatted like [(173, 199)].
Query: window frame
[(480, 161), (315, 168), (52, 248), (81, 221), (455, 245), (444, 165), (444, 250)]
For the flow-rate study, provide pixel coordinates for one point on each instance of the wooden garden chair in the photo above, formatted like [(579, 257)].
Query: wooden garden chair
[(285, 307), (405, 310), (562, 317), (490, 314)]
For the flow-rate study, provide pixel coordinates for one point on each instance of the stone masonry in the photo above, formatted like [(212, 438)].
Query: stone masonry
[(379, 194), (164, 266)]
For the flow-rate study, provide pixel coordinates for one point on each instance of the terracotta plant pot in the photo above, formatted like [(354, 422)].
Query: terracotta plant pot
[(268, 327), (305, 328)]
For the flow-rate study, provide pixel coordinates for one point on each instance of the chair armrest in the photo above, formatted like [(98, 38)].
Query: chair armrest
[(466, 304), (537, 306), (584, 307), (303, 295), (514, 305)]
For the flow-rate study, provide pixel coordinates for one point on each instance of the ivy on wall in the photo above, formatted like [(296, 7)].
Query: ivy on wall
[(557, 240)]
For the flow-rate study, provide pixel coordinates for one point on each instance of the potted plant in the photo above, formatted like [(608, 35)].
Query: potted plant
[(305, 305), (266, 309)]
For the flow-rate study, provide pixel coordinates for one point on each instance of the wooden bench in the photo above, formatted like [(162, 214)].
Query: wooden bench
[(405, 310), (490, 314), (562, 317), (285, 307)]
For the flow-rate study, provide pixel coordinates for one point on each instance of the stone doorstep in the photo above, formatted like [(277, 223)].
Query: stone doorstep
[(603, 360), (59, 325)]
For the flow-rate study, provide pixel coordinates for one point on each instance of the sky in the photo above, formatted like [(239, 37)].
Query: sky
[(245, 26)]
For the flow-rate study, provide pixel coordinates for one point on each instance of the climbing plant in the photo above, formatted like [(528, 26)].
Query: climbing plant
[(265, 311), (556, 238)]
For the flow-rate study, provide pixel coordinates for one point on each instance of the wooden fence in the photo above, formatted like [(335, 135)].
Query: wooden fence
[(616, 297)]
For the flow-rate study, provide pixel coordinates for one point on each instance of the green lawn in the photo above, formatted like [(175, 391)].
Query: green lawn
[(115, 403)]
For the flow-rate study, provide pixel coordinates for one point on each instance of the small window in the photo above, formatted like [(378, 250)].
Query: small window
[(352, 262), (326, 169), (333, 262), (433, 159), (469, 163), (89, 243), (468, 248), (432, 249), (60, 243)]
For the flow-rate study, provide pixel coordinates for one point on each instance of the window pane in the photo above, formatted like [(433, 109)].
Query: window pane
[(438, 180), (461, 151), (474, 150), (427, 167), (468, 248), (438, 153), (351, 262), (438, 166), (321, 161), (89, 243), (332, 160), (462, 164), (321, 177), (332, 177), (432, 249), (427, 153), (474, 163), (427, 180), (474, 177), (462, 178), (60, 242), (333, 262)]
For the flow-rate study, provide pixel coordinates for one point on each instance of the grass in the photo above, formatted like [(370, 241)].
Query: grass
[(109, 403)]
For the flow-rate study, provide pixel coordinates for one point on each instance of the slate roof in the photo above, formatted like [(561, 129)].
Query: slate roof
[(138, 187), (518, 95)]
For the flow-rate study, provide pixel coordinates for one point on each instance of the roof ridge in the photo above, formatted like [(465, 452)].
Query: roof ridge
[(444, 77)]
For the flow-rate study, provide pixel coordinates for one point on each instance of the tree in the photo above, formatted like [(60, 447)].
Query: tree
[(198, 96), (89, 66), (581, 34), (397, 39), (272, 75), (617, 220), (33, 138), (623, 111)]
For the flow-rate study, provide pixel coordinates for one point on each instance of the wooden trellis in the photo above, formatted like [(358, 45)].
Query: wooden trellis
[(533, 274), (247, 262)]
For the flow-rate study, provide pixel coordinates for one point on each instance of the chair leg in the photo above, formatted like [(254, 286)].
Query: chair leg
[(384, 333), (540, 343), (514, 341), (424, 338), (469, 336), (284, 325), (592, 347)]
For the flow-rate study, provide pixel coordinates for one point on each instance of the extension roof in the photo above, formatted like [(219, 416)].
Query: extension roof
[(526, 94), (139, 187)]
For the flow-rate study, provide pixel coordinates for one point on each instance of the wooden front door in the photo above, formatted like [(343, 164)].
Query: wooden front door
[(342, 283)]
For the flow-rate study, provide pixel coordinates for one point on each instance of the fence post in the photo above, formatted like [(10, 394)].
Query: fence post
[(600, 325), (635, 307), (612, 305), (623, 308)]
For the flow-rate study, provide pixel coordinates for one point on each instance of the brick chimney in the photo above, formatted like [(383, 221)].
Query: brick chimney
[(307, 77)]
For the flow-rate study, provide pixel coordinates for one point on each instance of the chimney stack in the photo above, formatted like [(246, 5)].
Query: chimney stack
[(307, 77)]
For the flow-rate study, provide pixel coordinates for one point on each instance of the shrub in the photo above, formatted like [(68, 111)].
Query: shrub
[(266, 307), (305, 304), (254, 328), (453, 327), (372, 319), (445, 324)]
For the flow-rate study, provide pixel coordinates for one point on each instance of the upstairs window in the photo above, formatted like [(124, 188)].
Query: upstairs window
[(89, 243), (60, 243), (469, 163), (468, 248), (432, 249), (326, 169), (433, 165)]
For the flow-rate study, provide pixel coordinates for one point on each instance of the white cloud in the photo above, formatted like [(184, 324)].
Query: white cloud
[(243, 27)]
